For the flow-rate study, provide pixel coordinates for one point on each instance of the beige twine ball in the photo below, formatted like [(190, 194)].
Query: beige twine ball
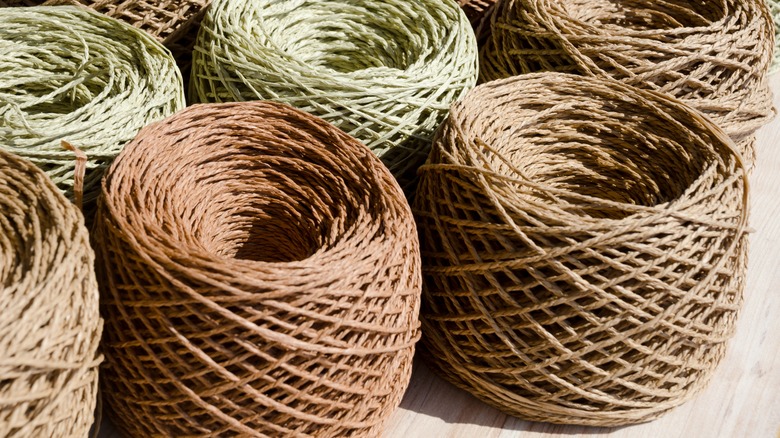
[(584, 249), (49, 325)]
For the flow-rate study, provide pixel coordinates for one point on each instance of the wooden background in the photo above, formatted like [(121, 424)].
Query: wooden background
[(742, 400)]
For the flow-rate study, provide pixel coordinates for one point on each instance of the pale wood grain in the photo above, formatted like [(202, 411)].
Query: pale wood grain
[(742, 400)]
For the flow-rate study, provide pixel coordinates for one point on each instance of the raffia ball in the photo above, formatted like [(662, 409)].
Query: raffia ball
[(68, 73), (712, 55), (384, 72), (174, 23), (261, 277), (584, 249), (49, 325)]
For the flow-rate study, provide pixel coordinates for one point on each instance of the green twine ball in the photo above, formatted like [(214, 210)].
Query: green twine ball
[(385, 71), (774, 9), (68, 73)]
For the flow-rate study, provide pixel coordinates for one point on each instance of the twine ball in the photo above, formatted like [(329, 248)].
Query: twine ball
[(174, 23), (712, 55), (584, 249), (384, 72), (71, 74), (261, 277), (49, 326)]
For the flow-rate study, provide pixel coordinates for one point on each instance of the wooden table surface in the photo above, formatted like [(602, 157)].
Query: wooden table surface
[(742, 400)]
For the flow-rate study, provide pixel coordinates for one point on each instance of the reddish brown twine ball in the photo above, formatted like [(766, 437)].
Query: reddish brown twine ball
[(260, 275), (712, 55), (584, 248), (49, 324)]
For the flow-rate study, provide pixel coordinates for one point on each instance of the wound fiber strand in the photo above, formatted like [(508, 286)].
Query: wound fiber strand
[(166, 20), (68, 73), (476, 10), (174, 23)]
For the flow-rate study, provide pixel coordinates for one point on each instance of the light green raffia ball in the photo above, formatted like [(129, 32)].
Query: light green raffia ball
[(385, 71), (774, 8), (68, 73)]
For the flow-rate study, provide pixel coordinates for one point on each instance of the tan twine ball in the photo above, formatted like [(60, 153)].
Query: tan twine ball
[(712, 55), (49, 325), (584, 249), (261, 277)]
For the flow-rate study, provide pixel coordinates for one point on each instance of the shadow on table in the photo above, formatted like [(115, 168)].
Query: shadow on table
[(432, 396)]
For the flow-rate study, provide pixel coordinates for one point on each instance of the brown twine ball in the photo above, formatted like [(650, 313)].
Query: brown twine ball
[(260, 275), (174, 23), (584, 248), (49, 325), (712, 55)]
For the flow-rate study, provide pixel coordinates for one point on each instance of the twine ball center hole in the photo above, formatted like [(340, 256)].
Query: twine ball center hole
[(261, 223), (347, 36), (613, 159), (255, 203), (643, 15), (266, 231)]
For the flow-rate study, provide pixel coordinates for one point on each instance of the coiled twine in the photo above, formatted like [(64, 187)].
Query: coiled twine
[(49, 326), (262, 278), (384, 72), (174, 23), (712, 55), (584, 248), (68, 73)]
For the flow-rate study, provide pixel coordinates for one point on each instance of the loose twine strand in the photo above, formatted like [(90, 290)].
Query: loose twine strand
[(584, 248), (384, 72), (79, 171), (71, 74), (712, 55), (50, 327), (261, 276)]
